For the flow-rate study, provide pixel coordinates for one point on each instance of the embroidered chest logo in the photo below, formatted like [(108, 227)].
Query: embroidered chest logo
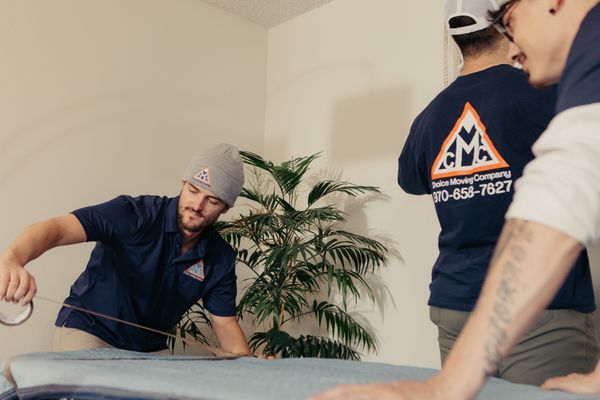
[(203, 177), (196, 271), (467, 149)]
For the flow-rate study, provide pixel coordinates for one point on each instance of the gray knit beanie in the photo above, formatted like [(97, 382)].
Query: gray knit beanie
[(220, 169)]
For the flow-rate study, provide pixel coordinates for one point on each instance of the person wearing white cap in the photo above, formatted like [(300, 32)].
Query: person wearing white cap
[(555, 211), (154, 258), (466, 150)]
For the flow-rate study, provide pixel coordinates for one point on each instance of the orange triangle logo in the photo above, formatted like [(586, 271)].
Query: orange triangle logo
[(467, 149)]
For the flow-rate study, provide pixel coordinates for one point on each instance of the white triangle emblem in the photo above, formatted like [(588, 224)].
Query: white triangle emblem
[(467, 149), (203, 177)]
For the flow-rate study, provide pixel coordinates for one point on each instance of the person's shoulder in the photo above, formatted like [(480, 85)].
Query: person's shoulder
[(512, 72), (584, 55), (146, 202), (473, 84), (513, 77), (580, 81), (147, 207), (589, 30), (517, 87), (219, 245), (501, 78), (433, 108)]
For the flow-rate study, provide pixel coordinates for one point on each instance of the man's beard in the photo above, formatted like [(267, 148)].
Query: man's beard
[(199, 227)]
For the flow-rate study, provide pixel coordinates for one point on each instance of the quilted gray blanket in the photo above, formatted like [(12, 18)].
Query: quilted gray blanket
[(116, 374)]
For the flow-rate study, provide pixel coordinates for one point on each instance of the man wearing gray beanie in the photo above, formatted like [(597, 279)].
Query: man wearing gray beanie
[(154, 258)]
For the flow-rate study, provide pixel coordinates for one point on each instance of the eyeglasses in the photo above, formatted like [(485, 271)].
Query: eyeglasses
[(499, 21)]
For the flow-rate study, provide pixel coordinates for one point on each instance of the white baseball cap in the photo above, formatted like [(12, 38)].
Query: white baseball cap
[(476, 9)]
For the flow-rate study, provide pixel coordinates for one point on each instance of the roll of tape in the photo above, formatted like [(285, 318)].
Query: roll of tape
[(19, 318)]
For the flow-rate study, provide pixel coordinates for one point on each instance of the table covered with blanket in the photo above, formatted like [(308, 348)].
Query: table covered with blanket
[(117, 374)]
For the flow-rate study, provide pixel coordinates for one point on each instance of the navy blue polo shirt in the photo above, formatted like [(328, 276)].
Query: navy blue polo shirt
[(136, 273), (580, 81), (466, 150)]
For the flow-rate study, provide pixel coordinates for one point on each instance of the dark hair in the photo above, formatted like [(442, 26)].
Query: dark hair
[(475, 43)]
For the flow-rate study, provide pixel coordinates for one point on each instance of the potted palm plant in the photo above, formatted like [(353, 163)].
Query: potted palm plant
[(302, 263)]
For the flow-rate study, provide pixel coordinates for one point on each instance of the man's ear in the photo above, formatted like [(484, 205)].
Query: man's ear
[(555, 6), (225, 210)]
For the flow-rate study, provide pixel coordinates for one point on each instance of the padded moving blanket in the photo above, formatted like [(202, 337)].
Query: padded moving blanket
[(117, 374)]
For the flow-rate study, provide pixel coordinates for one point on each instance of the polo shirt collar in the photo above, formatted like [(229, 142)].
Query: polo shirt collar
[(171, 226)]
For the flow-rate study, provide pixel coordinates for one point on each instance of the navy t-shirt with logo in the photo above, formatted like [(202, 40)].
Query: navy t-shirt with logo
[(136, 273), (466, 149)]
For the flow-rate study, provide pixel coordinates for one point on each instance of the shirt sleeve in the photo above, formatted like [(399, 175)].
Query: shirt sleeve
[(220, 301), (412, 165), (560, 188), (111, 222)]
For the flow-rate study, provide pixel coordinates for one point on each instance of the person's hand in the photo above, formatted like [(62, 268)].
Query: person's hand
[(575, 383), (432, 389), (16, 284)]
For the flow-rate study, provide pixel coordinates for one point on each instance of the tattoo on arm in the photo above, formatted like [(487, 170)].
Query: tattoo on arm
[(515, 236)]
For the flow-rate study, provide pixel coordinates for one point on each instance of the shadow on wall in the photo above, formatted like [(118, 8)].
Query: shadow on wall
[(357, 222), (371, 124), (594, 253)]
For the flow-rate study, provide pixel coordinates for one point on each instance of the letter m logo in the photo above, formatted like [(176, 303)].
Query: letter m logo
[(467, 149)]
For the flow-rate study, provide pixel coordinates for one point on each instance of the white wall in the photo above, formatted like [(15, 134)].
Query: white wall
[(103, 97), (347, 79)]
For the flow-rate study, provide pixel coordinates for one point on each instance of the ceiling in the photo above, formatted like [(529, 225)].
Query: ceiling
[(267, 13)]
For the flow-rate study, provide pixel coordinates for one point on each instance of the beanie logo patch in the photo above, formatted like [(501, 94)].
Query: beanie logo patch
[(203, 177)]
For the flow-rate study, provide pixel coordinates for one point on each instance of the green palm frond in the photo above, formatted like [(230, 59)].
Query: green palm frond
[(291, 173), (321, 347), (324, 188), (350, 254), (348, 283), (341, 325), (252, 258), (267, 201), (252, 194), (328, 348), (361, 240), (261, 228), (257, 161), (288, 175), (287, 207), (276, 342), (273, 341), (315, 215)]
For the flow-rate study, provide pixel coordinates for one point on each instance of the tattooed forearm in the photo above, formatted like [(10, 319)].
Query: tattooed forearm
[(512, 243)]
